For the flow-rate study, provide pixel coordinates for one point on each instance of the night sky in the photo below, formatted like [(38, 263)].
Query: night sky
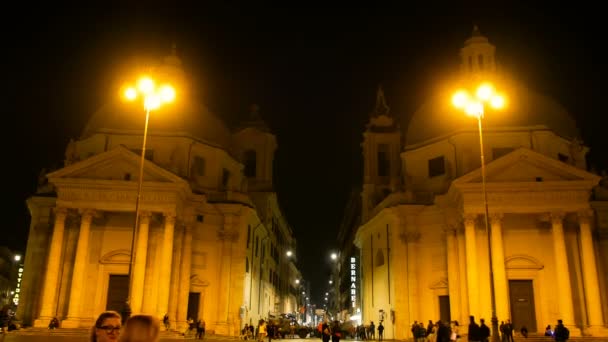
[(313, 70)]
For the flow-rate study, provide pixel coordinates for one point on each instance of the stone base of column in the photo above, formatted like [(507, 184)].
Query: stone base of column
[(180, 326), (43, 322), (77, 322), (595, 331), (574, 331), (223, 328)]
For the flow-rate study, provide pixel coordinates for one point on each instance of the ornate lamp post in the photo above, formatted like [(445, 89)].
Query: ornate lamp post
[(152, 97), (474, 105)]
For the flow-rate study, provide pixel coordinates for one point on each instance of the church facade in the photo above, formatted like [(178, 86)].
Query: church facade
[(423, 239), (211, 240)]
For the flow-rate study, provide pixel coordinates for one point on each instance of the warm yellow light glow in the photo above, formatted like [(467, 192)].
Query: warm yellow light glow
[(474, 108), (167, 93), (152, 102), (145, 85), (485, 92), (130, 93), (460, 99), (497, 102)]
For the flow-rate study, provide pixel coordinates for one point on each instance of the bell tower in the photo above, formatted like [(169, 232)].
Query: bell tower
[(254, 146), (477, 55), (381, 147)]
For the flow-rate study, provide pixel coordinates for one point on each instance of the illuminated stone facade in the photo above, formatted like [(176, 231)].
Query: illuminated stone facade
[(211, 241), (424, 246)]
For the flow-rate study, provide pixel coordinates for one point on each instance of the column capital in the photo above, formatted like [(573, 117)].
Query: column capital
[(229, 235), (87, 214), (60, 212), (407, 237), (496, 218), (144, 217), (169, 217), (469, 218), (585, 215), (557, 217)]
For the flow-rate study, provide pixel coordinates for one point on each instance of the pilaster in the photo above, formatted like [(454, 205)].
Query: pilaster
[(164, 281), (498, 268), (472, 264), (590, 271), (49, 294)]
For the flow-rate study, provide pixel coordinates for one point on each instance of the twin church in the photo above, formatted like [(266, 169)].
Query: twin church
[(424, 247)]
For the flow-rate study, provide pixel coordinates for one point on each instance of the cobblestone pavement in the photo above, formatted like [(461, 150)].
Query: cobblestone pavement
[(57, 337)]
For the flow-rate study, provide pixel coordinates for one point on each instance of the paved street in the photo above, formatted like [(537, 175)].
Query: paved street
[(54, 337)]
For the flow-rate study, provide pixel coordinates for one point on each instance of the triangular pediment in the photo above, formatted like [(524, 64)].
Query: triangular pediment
[(118, 164), (525, 165)]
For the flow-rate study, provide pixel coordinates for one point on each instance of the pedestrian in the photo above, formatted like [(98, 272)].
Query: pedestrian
[(141, 328), (380, 331), (107, 327), (200, 329)]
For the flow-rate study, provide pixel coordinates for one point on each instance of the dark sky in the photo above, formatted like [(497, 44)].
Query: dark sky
[(313, 70)]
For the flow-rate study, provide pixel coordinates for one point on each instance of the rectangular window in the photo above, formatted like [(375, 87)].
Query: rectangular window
[(198, 166), (225, 178), (436, 166), (498, 152), (248, 235), (383, 160)]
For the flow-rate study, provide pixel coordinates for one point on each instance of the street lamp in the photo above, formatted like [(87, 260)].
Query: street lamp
[(473, 105), (17, 257), (152, 98)]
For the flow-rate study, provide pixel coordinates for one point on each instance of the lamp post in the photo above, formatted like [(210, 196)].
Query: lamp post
[(153, 97), (473, 105)]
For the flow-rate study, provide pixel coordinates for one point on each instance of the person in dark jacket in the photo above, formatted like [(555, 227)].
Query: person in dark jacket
[(474, 333), (484, 331), (443, 332), (561, 333)]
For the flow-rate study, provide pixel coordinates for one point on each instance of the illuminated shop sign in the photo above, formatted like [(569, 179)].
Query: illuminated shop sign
[(353, 281)]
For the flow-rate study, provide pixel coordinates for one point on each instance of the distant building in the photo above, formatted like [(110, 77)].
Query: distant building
[(424, 247), (212, 239), (11, 270)]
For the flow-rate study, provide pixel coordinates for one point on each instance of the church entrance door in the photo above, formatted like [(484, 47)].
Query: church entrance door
[(444, 309), (194, 299), (523, 310), (118, 292)]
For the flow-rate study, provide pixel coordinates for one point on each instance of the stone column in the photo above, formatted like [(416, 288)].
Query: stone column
[(139, 269), (49, 292), (590, 271), (164, 280), (175, 271), (472, 265), (184, 277), (562, 271), (411, 241), (498, 267), (453, 272), (78, 275), (226, 237), (462, 271)]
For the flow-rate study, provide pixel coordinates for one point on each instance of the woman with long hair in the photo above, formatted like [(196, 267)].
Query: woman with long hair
[(141, 328), (107, 327)]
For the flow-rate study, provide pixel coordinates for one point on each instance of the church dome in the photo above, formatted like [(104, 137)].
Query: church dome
[(184, 117), (438, 117), (181, 118), (525, 108)]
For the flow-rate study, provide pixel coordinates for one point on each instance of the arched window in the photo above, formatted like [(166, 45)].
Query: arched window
[(249, 159), (384, 164), (379, 258), (480, 61)]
